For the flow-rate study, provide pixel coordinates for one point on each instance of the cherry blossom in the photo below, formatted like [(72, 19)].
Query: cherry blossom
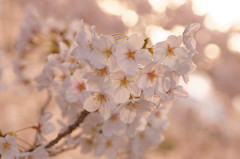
[(8, 147)]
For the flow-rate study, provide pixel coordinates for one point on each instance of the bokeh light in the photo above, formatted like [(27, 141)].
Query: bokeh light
[(212, 51), (157, 33), (130, 18), (233, 42), (220, 15), (236, 102)]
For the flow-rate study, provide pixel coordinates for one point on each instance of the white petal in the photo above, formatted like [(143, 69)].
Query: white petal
[(105, 110), (72, 95), (181, 52), (121, 95), (45, 117), (126, 115), (91, 104), (180, 92), (174, 41)]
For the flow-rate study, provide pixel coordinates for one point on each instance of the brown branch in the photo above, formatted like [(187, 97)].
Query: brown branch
[(69, 129)]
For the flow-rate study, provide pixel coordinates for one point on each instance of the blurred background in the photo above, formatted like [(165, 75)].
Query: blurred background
[(205, 125)]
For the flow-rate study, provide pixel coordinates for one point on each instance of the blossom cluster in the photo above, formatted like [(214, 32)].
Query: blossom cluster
[(126, 83)]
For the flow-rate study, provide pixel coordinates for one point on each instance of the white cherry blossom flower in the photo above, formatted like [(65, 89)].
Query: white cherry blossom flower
[(97, 79), (129, 54), (84, 39), (113, 126), (99, 101), (60, 57), (123, 86), (150, 77), (77, 91), (44, 127), (168, 51), (104, 53), (92, 124), (149, 138), (188, 38), (138, 124), (109, 146), (8, 147), (46, 78), (129, 109)]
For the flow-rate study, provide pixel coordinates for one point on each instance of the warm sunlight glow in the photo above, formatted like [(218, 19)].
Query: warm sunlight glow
[(158, 5), (212, 51), (111, 6), (174, 4), (199, 86), (130, 18), (157, 33), (220, 15), (234, 42), (236, 102), (178, 29)]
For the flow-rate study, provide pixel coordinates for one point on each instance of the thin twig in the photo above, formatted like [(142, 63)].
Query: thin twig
[(69, 129)]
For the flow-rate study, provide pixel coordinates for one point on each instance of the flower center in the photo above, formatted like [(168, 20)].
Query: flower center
[(142, 136), (101, 98), (170, 51), (152, 76), (81, 86), (108, 144), (132, 106), (124, 82), (130, 54), (6, 146), (107, 52), (101, 72), (114, 117)]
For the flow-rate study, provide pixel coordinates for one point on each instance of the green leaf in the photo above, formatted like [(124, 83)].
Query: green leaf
[(145, 43)]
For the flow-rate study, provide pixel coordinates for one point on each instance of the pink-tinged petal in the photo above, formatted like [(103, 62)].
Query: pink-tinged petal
[(136, 42), (133, 89), (126, 115), (166, 85), (191, 28), (129, 66), (180, 92), (84, 95), (121, 95), (143, 57), (45, 117), (47, 128), (186, 78), (72, 94), (174, 41), (97, 59), (91, 104), (82, 37), (159, 51), (149, 91), (106, 128), (142, 81), (117, 75), (180, 52), (105, 110), (111, 153)]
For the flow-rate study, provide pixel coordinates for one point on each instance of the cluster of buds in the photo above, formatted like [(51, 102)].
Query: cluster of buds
[(124, 83)]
